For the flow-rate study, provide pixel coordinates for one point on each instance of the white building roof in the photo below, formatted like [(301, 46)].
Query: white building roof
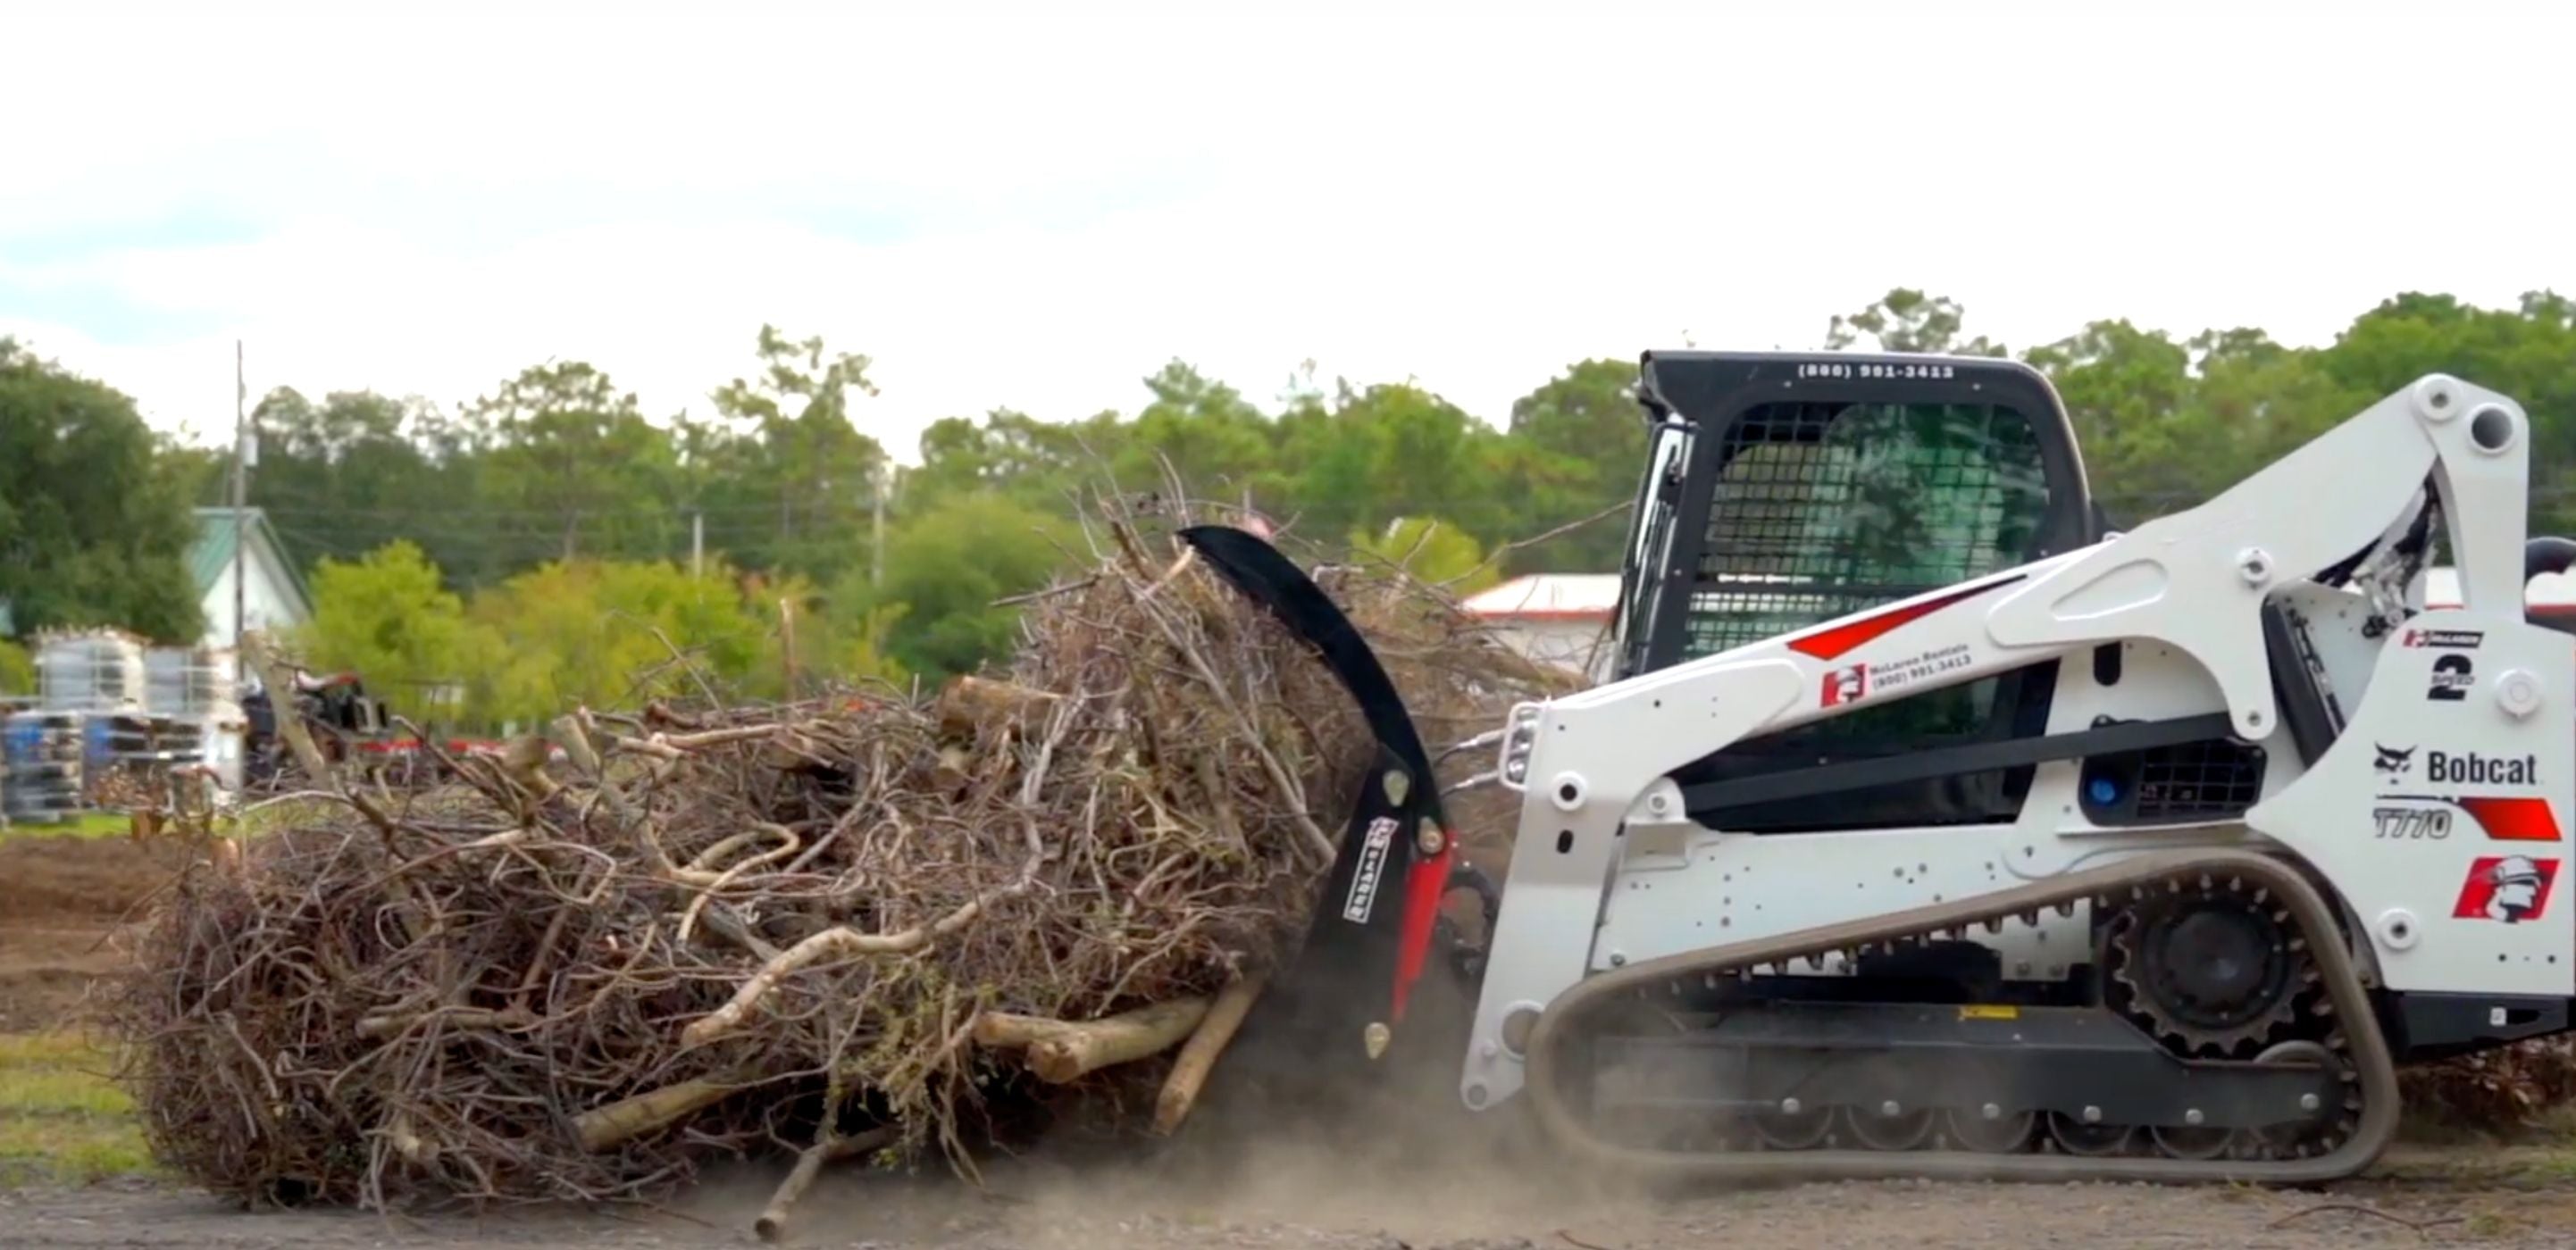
[(1549, 597)]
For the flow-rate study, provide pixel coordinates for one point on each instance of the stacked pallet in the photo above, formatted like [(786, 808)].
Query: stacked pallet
[(138, 749), (91, 670), (40, 752)]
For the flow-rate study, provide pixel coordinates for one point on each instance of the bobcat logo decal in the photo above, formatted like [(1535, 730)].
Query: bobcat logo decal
[(2392, 763)]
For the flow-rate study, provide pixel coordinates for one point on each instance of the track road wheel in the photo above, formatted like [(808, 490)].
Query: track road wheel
[(1794, 1127), (2192, 1143), (1987, 1130), (2093, 1141), (1890, 1127)]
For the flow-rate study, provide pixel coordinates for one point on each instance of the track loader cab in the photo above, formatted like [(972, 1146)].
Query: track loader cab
[(1786, 490)]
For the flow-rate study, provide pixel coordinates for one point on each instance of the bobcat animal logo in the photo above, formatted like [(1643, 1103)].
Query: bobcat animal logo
[(2392, 762)]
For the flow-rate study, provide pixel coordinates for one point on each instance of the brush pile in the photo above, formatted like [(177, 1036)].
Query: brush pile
[(875, 922), (2503, 1091)]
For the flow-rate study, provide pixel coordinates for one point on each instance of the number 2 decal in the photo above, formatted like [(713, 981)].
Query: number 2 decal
[(2452, 675)]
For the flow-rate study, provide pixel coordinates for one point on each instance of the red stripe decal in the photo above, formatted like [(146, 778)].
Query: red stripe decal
[(1835, 641), (1425, 884), (2514, 820)]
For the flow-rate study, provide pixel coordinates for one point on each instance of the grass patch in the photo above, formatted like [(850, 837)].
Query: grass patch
[(61, 1119), (85, 825), (261, 817), (2483, 1166)]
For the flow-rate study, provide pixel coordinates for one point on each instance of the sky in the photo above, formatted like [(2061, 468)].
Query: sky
[(1035, 206)]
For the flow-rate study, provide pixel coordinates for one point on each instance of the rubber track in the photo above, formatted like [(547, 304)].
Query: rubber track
[(2312, 917)]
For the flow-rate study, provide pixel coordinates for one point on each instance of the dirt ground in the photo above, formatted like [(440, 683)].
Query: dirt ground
[(1034, 1211), (60, 898)]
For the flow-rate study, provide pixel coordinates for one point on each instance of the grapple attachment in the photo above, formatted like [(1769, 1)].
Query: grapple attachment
[(1336, 1008)]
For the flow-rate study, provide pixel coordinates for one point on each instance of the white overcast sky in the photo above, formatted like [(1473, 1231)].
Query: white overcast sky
[(1034, 206)]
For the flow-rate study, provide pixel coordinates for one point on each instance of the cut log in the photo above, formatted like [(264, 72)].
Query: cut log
[(1067, 1050), (606, 1128), (967, 704), (1190, 1069)]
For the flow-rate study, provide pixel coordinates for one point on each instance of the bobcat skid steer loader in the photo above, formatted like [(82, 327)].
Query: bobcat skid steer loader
[(1926, 827)]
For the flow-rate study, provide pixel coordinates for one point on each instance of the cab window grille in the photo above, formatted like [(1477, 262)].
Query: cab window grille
[(1822, 510)]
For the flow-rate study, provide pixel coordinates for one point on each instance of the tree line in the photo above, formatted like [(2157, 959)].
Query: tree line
[(551, 540)]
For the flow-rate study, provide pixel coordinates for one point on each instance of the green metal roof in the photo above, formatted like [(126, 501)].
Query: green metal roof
[(212, 552)]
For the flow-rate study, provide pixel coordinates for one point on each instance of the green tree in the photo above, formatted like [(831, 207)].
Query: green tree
[(1907, 320), (792, 446), (574, 456), (389, 618), (593, 632), (2527, 351), (17, 670), (945, 567), (94, 526), (1388, 451), (1583, 442), (1208, 435), (357, 470), (1440, 554)]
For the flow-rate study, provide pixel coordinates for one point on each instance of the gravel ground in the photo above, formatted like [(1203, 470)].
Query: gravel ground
[(2435, 1205)]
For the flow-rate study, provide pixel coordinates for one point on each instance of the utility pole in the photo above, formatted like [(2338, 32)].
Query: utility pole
[(242, 450), (876, 527), (697, 542)]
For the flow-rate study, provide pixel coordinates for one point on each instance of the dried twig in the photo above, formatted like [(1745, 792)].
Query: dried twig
[(772, 1222), (2358, 1209), (1495, 556)]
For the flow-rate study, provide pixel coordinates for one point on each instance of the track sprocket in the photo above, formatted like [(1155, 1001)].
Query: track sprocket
[(2212, 967)]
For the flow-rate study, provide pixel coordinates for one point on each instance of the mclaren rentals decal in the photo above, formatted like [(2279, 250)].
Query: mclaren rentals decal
[(1852, 682), (2506, 888), (2448, 639), (1364, 881), (2457, 768), (2428, 816)]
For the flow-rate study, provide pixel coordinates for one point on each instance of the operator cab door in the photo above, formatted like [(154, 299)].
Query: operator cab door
[(1786, 490)]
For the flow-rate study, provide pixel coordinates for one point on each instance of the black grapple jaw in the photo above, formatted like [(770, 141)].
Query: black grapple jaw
[(1325, 1021)]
